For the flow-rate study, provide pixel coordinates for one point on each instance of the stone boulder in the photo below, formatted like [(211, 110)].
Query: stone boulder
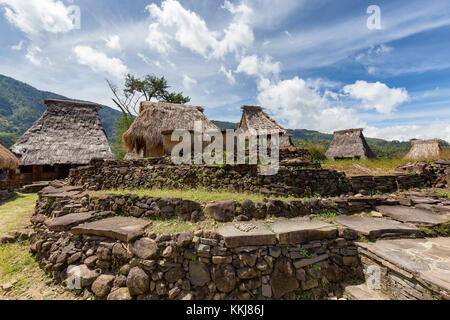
[(82, 275), (198, 274), (120, 294), (224, 277), (283, 279), (102, 285), (138, 282), (146, 248), (223, 211)]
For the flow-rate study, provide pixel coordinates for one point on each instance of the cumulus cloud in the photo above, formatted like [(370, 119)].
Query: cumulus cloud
[(254, 66), (377, 95), (188, 82), (34, 16), (113, 42), (172, 22), (100, 62), (302, 106), (406, 132)]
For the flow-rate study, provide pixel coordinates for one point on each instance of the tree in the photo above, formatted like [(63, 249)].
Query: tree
[(135, 90)]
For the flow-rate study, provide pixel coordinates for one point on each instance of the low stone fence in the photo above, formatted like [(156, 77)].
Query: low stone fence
[(200, 265), (298, 179), (131, 205)]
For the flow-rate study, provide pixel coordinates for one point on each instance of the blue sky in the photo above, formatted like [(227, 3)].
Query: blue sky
[(310, 64)]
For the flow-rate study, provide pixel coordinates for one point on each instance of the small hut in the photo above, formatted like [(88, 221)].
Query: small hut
[(349, 144), (146, 138), (424, 149), (68, 134), (254, 117)]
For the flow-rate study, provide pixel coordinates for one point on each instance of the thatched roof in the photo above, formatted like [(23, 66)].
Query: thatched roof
[(349, 144), (424, 149), (254, 117), (7, 159), (68, 132), (145, 133)]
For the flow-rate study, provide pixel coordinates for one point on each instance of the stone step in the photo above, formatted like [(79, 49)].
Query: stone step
[(439, 208), (287, 232), (375, 228), (410, 268), (124, 229), (418, 217), (67, 222), (362, 292), (34, 187)]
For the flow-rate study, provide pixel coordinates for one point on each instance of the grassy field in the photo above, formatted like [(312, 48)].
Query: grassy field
[(17, 265), (199, 195), (14, 214)]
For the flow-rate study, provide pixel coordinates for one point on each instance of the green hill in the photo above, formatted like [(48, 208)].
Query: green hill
[(21, 105)]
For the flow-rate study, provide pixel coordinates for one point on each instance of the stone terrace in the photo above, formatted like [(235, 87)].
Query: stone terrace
[(107, 242)]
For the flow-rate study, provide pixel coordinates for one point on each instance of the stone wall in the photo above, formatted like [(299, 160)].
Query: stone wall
[(293, 178), (225, 211), (197, 265)]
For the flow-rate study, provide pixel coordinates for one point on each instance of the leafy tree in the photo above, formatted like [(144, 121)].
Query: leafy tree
[(135, 90)]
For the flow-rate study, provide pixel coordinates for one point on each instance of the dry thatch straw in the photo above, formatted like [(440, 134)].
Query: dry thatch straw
[(254, 117), (425, 149), (349, 144), (145, 134), (8, 160), (68, 132)]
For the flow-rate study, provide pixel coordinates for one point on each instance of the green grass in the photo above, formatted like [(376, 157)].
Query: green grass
[(199, 195), (13, 213), (371, 163), (176, 225), (443, 194)]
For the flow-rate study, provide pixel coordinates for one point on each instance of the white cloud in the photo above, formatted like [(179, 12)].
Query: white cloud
[(188, 82), (228, 74), (18, 47), (32, 55), (113, 42), (377, 95), (157, 40), (254, 66), (100, 62), (301, 106), (174, 22), (407, 132), (34, 16)]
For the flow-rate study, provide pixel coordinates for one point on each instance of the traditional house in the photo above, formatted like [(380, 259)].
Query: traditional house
[(68, 134), (155, 124), (8, 164), (424, 149), (349, 144), (254, 117)]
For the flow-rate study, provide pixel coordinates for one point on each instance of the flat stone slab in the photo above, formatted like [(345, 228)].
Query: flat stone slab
[(302, 231), (121, 228), (416, 216), (376, 227), (424, 200), (67, 222), (362, 292), (426, 259), (437, 208), (244, 234)]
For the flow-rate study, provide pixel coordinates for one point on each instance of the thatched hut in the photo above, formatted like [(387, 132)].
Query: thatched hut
[(349, 144), (254, 117), (424, 149), (8, 164), (68, 134), (145, 137)]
